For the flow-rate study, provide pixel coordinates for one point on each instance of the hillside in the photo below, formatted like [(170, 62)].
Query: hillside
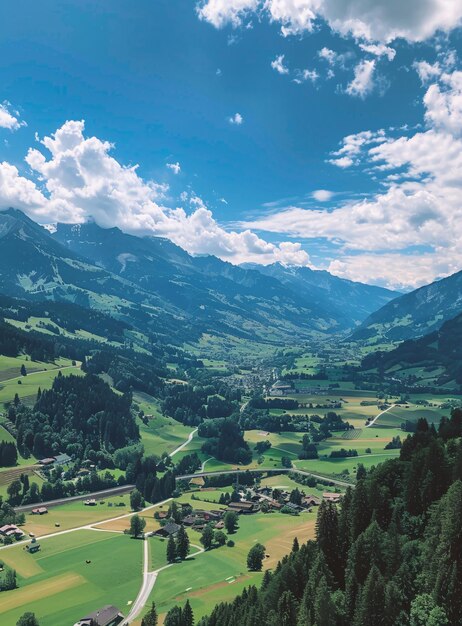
[(437, 353), (414, 314)]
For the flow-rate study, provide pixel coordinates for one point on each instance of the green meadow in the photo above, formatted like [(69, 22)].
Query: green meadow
[(59, 586), (27, 386)]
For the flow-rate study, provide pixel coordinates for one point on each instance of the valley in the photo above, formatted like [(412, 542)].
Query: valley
[(109, 419)]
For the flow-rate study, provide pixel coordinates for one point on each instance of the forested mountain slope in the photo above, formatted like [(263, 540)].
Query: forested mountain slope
[(438, 349), (390, 555), (414, 314)]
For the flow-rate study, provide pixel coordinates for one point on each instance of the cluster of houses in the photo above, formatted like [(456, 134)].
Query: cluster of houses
[(260, 499)]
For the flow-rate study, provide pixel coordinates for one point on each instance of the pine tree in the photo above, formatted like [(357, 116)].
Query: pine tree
[(182, 544), (171, 550), (150, 619), (287, 609), (187, 616), (295, 545), (370, 608), (324, 609), (327, 535)]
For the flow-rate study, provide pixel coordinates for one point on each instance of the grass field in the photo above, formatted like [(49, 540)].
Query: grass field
[(27, 390), (161, 434), (60, 587), (76, 514)]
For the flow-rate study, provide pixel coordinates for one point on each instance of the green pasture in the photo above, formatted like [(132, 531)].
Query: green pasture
[(60, 587), (28, 387), (76, 514)]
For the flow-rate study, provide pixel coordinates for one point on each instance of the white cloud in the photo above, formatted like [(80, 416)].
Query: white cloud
[(278, 65), (374, 20), (379, 50), (443, 102), (427, 71), (375, 237), (222, 12), (306, 75), (363, 81), (322, 195), (236, 119), (9, 117), (175, 167), (81, 178)]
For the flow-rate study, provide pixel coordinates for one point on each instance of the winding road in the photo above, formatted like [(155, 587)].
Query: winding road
[(380, 415), (183, 445)]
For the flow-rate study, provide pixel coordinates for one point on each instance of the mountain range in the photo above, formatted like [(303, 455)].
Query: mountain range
[(162, 290)]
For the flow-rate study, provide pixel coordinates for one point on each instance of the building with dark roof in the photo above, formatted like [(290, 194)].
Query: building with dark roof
[(107, 616), (169, 529)]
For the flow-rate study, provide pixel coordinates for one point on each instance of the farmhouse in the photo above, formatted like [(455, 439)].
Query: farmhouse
[(197, 482), (332, 497), (48, 461), (62, 459), (11, 530), (169, 529), (309, 501), (243, 507), (107, 616), (33, 547), (41, 510)]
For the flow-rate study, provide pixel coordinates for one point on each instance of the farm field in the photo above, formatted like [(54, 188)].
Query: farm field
[(76, 514), (60, 587)]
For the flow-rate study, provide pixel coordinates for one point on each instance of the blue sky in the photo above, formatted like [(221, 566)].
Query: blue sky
[(234, 125)]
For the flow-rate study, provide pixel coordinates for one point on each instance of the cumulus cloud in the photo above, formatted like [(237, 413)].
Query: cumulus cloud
[(379, 50), (175, 167), (302, 76), (418, 205), (278, 65), (374, 20), (236, 119), (9, 118), (81, 179), (443, 103), (363, 81), (322, 195)]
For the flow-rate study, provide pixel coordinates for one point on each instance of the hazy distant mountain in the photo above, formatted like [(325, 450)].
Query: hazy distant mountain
[(416, 313), (349, 302)]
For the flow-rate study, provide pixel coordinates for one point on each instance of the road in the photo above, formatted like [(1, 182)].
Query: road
[(183, 445), (114, 491), (149, 580), (263, 470), (379, 415)]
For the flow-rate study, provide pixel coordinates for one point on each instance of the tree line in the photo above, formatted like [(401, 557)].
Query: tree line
[(388, 555)]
